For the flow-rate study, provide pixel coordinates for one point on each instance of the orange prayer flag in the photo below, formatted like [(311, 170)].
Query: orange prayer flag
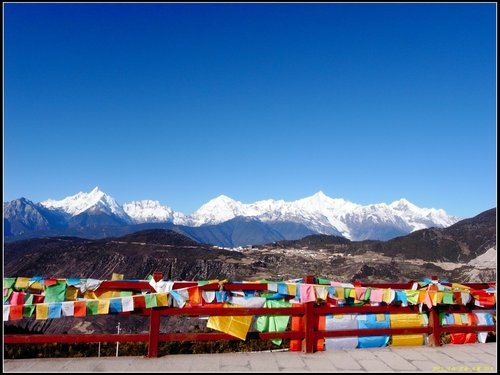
[(16, 312), (80, 309), (194, 295), (139, 301)]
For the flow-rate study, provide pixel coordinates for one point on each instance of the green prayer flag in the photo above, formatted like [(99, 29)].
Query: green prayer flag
[(323, 281), (368, 293), (448, 298), (28, 311), (28, 299), (8, 282), (56, 292), (412, 296), (347, 292), (273, 323), (150, 300), (92, 307), (8, 288)]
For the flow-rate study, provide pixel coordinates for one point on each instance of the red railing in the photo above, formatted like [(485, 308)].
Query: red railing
[(309, 313)]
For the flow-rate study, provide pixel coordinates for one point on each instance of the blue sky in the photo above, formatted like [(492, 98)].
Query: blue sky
[(184, 102)]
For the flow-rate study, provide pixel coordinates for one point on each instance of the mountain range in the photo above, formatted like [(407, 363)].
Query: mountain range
[(463, 252), (222, 221)]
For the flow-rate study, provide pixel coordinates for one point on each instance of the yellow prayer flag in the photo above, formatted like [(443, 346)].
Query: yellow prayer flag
[(89, 294), (117, 276), (42, 311), (405, 320), (96, 294), (421, 295), (22, 282), (162, 299), (103, 306), (236, 326), (352, 293), (387, 296), (339, 293), (37, 285), (71, 293), (291, 289), (440, 295)]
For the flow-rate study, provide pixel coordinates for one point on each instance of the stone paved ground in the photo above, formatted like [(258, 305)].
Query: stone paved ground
[(467, 358)]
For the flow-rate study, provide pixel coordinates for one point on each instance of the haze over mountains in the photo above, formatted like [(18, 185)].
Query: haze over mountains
[(222, 221)]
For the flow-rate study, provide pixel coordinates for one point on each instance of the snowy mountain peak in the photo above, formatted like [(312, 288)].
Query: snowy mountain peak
[(402, 205), (320, 195), (81, 202), (222, 199), (148, 211), (318, 213), (320, 202), (218, 210)]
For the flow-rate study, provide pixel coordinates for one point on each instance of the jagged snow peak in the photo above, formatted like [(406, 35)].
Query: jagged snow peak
[(216, 211), (81, 202), (148, 211), (318, 212), (421, 218)]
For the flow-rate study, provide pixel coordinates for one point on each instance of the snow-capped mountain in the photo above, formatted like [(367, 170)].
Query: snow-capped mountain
[(96, 200), (148, 211), (315, 214), (217, 211), (326, 215)]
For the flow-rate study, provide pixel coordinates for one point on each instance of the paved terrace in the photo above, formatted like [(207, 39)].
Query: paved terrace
[(466, 358)]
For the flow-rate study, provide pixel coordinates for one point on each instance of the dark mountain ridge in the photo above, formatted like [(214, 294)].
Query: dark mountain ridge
[(180, 257), (460, 242)]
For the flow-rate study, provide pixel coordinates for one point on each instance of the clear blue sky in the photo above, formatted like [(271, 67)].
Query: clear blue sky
[(184, 102)]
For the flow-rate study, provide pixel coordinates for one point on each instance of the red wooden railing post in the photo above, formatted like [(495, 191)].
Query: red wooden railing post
[(309, 341), (154, 333), (435, 336), (154, 324), (309, 337)]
